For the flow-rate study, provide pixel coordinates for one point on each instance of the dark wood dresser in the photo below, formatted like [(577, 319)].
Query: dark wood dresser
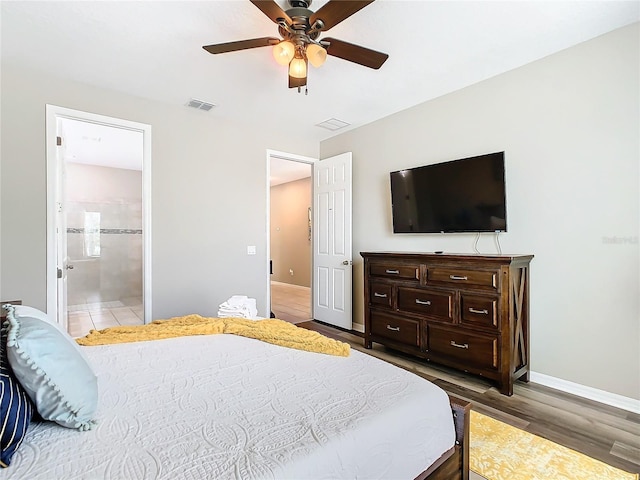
[(466, 311), (3, 312)]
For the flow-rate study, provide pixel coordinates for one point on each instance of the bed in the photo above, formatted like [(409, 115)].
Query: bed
[(230, 407)]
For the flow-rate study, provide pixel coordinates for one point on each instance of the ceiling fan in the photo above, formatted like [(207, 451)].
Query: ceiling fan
[(300, 29)]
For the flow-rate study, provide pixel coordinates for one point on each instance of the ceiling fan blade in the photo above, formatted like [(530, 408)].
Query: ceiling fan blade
[(241, 45), (297, 82), (335, 11), (355, 53), (272, 10)]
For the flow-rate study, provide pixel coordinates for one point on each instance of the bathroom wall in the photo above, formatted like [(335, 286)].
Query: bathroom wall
[(104, 233)]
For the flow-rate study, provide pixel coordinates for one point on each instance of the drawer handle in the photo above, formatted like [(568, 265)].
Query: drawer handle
[(395, 329), (392, 272), (482, 312), (421, 302), (458, 277), (457, 345), (381, 295)]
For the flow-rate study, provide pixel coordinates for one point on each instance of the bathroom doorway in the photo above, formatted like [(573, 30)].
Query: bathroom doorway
[(103, 204), (101, 232)]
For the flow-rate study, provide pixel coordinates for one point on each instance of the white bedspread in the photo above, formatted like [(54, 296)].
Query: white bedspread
[(228, 407)]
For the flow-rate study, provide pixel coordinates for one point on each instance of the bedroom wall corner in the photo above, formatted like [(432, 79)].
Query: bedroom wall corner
[(569, 126)]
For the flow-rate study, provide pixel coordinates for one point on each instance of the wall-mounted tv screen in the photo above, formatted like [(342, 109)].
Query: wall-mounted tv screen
[(466, 195)]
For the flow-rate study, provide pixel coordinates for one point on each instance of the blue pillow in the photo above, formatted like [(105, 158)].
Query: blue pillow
[(15, 407), (53, 370)]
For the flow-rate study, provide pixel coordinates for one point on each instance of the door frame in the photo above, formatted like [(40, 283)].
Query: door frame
[(294, 158), (53, 112)]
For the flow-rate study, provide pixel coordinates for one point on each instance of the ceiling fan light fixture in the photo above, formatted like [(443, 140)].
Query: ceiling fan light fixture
[(298, 68), (316, 54), (284, 52), (299, 29)]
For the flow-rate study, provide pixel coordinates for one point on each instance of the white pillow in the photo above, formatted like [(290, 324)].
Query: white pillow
[(53, 370)]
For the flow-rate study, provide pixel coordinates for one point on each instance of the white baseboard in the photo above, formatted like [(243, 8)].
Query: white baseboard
[(584, 391), (358, 327)]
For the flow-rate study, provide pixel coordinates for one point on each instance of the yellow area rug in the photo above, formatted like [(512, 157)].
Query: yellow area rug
[(501, 452)]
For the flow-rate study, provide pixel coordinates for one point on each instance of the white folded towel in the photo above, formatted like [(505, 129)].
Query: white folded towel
[(238, 306), (238, 300)]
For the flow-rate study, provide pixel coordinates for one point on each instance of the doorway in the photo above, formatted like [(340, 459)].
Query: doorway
[(290, 236), (101, 224)]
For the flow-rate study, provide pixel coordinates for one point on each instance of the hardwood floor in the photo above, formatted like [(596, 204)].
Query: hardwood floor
[(606, 433), (291, 303)]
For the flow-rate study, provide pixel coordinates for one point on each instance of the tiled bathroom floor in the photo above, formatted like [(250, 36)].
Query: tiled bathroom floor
[(87, 316)]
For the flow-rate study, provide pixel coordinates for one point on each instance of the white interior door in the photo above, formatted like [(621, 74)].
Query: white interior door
[(332, 262), (61, 229)]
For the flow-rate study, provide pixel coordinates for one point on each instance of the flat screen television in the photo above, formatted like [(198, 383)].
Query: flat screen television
[(466, 195)]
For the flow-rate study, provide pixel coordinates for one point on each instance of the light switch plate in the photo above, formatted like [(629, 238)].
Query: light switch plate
[(251, 250)]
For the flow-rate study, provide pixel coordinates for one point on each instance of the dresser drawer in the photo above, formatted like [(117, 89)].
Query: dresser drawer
[(404, 272), (482, 278), (426, 302), (475, 350), (479, 311), (380, 294), (401, 330)]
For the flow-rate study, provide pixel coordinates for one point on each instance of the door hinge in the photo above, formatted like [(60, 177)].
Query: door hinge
[(59, 272), (58, 141)]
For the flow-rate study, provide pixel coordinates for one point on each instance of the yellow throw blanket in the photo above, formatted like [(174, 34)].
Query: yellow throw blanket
[(277, 332)]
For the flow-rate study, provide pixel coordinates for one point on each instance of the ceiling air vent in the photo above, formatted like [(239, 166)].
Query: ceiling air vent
[(333, 124), (200, 105)]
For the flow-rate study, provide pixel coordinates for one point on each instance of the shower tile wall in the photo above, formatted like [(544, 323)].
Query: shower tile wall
[(107, 267)]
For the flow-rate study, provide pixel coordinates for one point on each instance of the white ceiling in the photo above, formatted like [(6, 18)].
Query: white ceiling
[(154, 50), (94, 144), (283, 171)]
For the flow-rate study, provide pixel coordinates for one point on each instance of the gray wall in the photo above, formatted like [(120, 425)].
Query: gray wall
[(208, 194), (569, 125)]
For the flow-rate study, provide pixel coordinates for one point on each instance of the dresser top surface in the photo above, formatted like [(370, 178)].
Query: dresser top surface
[(450, 256)]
